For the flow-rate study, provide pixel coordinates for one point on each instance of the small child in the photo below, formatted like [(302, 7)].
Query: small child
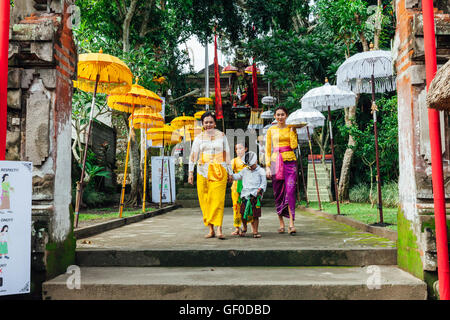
[(254, 184), (237, 165)]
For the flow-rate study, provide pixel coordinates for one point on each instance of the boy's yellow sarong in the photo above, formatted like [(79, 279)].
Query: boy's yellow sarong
[(211, 194), (237, 165)]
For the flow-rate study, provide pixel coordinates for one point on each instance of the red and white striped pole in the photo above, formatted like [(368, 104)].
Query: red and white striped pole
[(4, 45), (436, 155)]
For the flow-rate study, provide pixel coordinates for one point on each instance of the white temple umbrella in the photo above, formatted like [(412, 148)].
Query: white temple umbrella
[(369, 72), (267, 114), (328, 97), (313, 118), (268, 101)]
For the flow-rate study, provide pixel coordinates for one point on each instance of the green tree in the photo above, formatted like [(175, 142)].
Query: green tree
[(354, 23), (388, 144)]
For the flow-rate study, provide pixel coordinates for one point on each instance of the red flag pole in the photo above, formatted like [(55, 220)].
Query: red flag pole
[(218, 92), (255, 85), (436, 155), (4, 48)]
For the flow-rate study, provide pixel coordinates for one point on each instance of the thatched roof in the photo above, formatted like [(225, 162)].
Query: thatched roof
[(438, 96)]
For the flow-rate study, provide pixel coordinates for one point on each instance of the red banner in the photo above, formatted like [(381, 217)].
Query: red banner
[(4, 45), (219, 112), (255, 86)]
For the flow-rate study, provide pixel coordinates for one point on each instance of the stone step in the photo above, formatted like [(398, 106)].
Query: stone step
[(235, 257), (239, 283)]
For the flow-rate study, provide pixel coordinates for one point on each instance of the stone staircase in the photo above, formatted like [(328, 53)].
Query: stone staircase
[(166, 257)]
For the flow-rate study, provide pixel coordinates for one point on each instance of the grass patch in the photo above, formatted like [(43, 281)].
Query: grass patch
[(362, 212), (109, 213)]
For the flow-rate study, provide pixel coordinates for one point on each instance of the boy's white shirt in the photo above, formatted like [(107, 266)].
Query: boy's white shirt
[(251, 181)]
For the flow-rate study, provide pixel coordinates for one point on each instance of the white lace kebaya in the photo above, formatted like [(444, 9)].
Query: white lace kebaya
[(210, 148)]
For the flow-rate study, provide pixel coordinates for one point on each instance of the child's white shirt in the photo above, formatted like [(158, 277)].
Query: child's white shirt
[(251, 181)]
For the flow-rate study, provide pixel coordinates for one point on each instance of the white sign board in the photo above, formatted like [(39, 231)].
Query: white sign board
[(156, 179), (15, 226)]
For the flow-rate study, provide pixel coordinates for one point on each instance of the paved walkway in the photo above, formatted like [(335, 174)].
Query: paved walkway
[(184, 229)]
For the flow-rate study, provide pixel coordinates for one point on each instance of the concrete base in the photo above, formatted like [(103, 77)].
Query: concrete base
[(167, 257), (211, 283), (236, 257)]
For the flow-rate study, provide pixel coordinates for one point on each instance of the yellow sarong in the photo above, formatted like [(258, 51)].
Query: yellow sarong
[(211, 194), (236, 165)]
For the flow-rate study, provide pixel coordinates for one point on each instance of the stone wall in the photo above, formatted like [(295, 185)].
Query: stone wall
[(42, 61), (416, 247), (103, 143)]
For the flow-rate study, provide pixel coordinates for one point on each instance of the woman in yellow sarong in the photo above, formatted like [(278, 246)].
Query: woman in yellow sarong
[(211, 153), (237, 165)]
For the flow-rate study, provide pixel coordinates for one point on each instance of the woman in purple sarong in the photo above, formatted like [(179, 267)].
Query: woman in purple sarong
[(281, 167)]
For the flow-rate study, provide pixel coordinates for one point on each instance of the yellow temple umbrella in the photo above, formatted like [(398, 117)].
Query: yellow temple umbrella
[(183, 121), (98, 72), (146, 104), (164, 136), (166, 133), (204, 101), (144, 118), (198, 115), (138, 96), (103, 73)]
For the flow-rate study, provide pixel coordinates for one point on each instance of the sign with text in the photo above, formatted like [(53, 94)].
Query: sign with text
[(15, 226), (168, 172)]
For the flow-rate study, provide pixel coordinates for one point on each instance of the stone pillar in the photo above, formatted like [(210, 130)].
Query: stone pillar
[(42, 61), (416, 236)]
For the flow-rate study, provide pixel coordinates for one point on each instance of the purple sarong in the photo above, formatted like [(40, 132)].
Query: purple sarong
[(285, 189)]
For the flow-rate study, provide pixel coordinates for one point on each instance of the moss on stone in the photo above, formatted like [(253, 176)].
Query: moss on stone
[(60, 255), (408, 254)]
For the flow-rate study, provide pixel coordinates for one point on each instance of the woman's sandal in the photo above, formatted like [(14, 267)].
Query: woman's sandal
[(281, 230), (236, 232), (221, 237), (292, 231), (210, 235), (242, 233), (256, 235)]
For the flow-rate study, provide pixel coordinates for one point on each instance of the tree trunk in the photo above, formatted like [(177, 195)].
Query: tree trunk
[(378, 25), (126, 26), (135, 175), (344, 180)]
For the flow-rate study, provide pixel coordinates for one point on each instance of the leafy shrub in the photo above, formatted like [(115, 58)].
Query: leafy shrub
[(389, 193), (359, 193)]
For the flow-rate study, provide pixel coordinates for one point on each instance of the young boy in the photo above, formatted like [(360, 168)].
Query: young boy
[(254, 184), (237, 165)]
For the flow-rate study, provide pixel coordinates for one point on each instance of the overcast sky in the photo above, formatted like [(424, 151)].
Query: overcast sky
[(197, 54)]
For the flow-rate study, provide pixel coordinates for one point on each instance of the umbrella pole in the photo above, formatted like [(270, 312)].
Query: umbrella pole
[(303, 175), (145, 174), (314, 168), (162, 172), (122, 195), (170, 181), (79, 193), (380, 201), (334, 162)]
